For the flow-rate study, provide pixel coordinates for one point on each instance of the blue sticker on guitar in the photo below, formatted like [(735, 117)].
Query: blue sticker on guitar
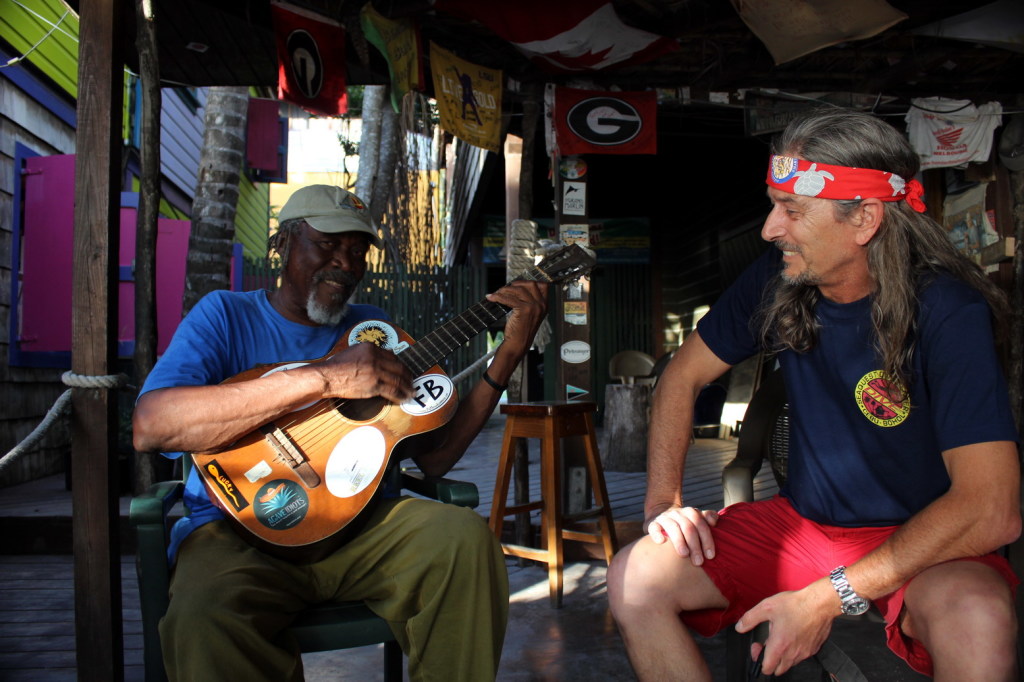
[(281, 504)]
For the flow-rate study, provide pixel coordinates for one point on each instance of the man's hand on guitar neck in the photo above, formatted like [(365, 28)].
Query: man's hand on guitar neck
[(529, 303)]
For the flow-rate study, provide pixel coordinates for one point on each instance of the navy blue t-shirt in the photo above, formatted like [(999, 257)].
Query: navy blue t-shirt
[(856, 456), (227, 333)]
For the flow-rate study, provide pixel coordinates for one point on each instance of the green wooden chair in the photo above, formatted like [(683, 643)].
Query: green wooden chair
[(320, 628)]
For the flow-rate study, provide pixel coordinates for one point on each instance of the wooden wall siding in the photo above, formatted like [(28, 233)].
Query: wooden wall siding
[(26, 394), (25, 120), (252, 217), (181, 138), (57, 55)]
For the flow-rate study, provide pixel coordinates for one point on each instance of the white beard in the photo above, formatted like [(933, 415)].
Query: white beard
[(327, 316)]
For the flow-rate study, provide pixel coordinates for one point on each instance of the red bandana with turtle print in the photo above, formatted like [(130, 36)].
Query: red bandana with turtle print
[(812, 179)]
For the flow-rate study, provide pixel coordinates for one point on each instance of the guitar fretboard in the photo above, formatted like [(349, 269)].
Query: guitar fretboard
[(440, 343)]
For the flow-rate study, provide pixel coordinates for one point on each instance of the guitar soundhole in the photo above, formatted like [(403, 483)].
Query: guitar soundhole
[(361, 410)]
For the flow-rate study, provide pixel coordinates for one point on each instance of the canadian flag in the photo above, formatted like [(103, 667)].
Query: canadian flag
[(566, 36)]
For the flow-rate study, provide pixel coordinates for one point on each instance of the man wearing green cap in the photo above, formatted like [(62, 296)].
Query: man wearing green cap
[(433, 571)]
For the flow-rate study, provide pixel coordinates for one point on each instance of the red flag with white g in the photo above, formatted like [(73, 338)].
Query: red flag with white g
[(601, 122), (311, 61)]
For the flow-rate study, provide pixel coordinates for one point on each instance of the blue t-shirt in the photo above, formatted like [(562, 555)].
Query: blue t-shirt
[(856, 456), (227, 333)]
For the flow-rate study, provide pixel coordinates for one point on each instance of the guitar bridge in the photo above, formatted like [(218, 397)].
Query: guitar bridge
[(290, 455)]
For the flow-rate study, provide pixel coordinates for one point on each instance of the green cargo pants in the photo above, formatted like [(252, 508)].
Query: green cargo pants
[(433, 571)]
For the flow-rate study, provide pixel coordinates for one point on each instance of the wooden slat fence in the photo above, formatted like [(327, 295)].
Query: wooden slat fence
[(422, 298), (259, 273)]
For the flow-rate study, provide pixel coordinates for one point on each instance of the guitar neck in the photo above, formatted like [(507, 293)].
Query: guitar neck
[(443, 341)]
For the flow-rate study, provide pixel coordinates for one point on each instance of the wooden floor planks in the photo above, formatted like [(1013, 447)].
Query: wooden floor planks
[(37, 632)]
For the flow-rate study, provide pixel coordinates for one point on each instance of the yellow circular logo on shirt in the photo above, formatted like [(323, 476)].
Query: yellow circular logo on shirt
[(874, 396)]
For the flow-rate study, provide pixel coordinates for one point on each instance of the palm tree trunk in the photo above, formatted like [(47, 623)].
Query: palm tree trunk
[(213, 211), (369, 141)]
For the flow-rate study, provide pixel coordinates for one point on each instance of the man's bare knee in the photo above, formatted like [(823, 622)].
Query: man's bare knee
[(963, 613), (647, 577)]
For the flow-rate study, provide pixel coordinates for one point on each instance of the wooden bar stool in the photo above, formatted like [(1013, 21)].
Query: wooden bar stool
[(550, 422)]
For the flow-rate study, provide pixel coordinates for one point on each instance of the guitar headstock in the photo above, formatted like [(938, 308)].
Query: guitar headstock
[(569, 263)]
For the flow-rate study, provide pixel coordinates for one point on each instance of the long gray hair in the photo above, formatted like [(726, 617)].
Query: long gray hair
[(907, 246)]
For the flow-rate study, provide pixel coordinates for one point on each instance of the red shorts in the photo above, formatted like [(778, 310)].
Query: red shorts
[(763, 548)]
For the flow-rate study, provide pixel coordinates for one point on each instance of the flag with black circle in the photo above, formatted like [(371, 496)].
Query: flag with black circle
[(600, 122), (311, 61)]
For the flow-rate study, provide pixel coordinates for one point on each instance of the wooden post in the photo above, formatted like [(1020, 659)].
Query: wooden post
[(520, 236), (575, 371), (146, 224), (98, 631), (573, 322), (524, 186)]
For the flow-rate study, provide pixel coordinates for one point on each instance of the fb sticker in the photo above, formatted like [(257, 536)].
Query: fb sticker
[(431, 392)]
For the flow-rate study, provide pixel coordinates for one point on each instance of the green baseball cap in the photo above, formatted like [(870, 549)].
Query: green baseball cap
[(330, 209)]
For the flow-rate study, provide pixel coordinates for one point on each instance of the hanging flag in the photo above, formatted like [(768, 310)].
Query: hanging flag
[(311, 61), (468, 98), (399, 42), (566, 36), (599, 122), (794, 28)]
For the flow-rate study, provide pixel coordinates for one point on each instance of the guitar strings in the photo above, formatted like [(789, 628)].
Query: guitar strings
[(311, 431)]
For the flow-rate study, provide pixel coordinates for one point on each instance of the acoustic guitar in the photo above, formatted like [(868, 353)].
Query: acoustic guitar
[(301, 485)]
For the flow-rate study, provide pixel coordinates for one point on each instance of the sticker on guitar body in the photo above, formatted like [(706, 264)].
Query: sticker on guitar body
[(359, 455), (281, 504), (355, 461), (431, 392)]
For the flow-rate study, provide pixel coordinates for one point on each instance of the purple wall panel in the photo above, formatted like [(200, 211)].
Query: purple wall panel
[(44, 303), (172, 250), (47, 254)]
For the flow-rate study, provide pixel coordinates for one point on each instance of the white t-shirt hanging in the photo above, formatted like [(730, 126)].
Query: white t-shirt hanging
[(961, 133)]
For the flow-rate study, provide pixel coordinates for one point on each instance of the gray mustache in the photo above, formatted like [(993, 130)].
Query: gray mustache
[(339, 276)]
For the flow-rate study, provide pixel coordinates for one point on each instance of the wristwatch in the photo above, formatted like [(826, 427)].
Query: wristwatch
[(852, 604)]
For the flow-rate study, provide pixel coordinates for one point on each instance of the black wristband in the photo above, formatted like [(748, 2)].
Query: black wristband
[(493, 384)]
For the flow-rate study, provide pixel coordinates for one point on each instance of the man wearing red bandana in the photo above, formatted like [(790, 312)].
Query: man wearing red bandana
[(903, 476)]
